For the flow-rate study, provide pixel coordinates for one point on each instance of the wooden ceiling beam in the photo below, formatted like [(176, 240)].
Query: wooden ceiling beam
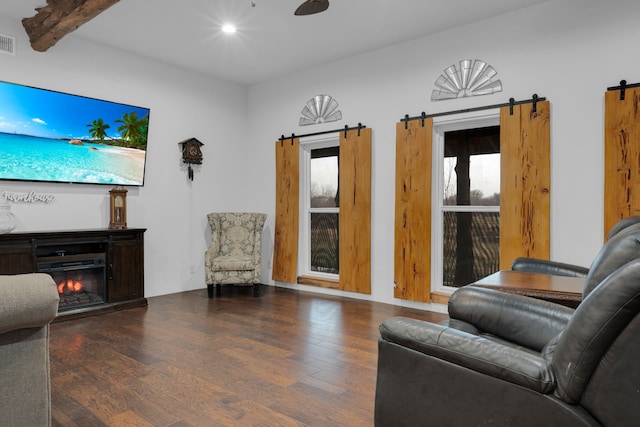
[(59, 18)]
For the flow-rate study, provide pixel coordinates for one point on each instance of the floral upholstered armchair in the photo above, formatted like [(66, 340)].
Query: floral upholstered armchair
[(233, 257)]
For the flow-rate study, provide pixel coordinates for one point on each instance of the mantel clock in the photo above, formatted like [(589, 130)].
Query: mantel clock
[(118, 208)]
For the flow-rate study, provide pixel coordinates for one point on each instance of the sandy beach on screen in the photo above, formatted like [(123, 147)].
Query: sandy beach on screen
[(133, 153)]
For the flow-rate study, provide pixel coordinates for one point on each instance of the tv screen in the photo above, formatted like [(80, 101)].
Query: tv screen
[(59, 137)]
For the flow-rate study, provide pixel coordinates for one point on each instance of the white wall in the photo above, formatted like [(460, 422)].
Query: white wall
[(568, 51), (170, 207)]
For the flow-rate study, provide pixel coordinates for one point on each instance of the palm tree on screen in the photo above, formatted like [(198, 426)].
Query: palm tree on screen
[(97, 129), (133, 129)]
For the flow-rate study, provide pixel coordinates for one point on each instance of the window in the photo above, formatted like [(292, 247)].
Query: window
[(420, 209), (470, 205), (319, 239), (321, 209), (466, 199)]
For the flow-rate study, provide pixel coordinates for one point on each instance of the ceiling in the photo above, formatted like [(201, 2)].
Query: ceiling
[(270, 41)]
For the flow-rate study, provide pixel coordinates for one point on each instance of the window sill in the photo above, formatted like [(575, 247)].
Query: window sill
[(319, 281), (440, 297)]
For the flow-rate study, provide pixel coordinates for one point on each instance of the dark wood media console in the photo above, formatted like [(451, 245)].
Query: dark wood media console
[(123, 251)]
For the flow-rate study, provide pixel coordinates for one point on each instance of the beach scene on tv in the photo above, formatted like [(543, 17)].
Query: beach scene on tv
[(54, 136)]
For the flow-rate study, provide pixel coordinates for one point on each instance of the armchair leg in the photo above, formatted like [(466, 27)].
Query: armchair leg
[(256, 289), (210, 290)]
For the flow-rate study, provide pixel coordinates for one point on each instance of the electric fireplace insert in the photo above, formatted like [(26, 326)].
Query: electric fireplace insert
[(80, 279)]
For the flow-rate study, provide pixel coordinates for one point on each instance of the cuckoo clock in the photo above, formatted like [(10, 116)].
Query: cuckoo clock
[(191, 154), (118, 208)]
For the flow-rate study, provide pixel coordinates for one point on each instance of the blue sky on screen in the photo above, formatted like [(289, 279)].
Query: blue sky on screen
[(38, 112)]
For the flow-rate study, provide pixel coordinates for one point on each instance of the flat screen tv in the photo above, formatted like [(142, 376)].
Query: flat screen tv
[(60, 137)]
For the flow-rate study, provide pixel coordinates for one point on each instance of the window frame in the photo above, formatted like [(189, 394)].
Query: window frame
[(442, 125), (304, 223)]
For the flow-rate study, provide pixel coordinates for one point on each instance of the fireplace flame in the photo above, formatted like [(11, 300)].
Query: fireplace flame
[(69, 286)]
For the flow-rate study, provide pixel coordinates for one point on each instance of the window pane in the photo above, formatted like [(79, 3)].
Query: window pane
[(471, 167), (471, 245), (324, 180), (474, 182), (324, 242)]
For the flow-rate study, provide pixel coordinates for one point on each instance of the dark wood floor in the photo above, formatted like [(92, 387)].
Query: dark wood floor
[(286, 358)]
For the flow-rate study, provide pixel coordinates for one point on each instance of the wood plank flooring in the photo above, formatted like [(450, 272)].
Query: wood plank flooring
[(286, 358)]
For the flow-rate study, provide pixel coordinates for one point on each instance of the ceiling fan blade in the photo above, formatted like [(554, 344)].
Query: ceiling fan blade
[(310, 7)]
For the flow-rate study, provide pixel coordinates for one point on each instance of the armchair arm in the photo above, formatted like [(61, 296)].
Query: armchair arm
[(526, 321), (470, 351), (534, 265), (27, 301), (257, 245), (214, 247), (211, 252)]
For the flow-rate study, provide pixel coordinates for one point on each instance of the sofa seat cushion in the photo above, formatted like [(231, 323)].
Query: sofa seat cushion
[(476, 353)]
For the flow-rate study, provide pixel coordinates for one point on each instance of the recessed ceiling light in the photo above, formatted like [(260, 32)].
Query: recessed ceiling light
[(228, 28)]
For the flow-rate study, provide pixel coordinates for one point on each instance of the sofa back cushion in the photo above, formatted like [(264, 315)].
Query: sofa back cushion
[(617, 251), (597, 322)]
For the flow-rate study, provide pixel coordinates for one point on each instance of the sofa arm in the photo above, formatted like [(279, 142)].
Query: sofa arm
[(27, 301), (470, 351), (526, 321), (534, 265)]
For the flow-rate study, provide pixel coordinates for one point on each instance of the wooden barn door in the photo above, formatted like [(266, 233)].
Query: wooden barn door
[(285, 245), (412, 241), (621, 156), (524, 182), (355, 211)]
